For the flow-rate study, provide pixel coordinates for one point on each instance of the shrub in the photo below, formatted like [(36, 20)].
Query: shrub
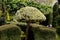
[(44, 33), (10, 32)]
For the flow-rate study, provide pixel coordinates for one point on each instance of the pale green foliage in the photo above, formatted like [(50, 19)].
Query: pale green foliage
[(31, 12)]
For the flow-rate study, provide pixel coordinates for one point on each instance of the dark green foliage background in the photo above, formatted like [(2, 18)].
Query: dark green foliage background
[(13, 6)]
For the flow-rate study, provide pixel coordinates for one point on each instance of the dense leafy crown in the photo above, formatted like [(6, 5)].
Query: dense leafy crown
[(29, 13)]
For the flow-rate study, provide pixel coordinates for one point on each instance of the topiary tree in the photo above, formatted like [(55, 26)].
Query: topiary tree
[(28, 15)]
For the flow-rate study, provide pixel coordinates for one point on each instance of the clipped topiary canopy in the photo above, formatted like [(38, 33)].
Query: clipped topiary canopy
[(29, 13)]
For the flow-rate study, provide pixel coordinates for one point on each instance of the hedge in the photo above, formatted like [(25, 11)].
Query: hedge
[(44, 33), (10, 32)]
